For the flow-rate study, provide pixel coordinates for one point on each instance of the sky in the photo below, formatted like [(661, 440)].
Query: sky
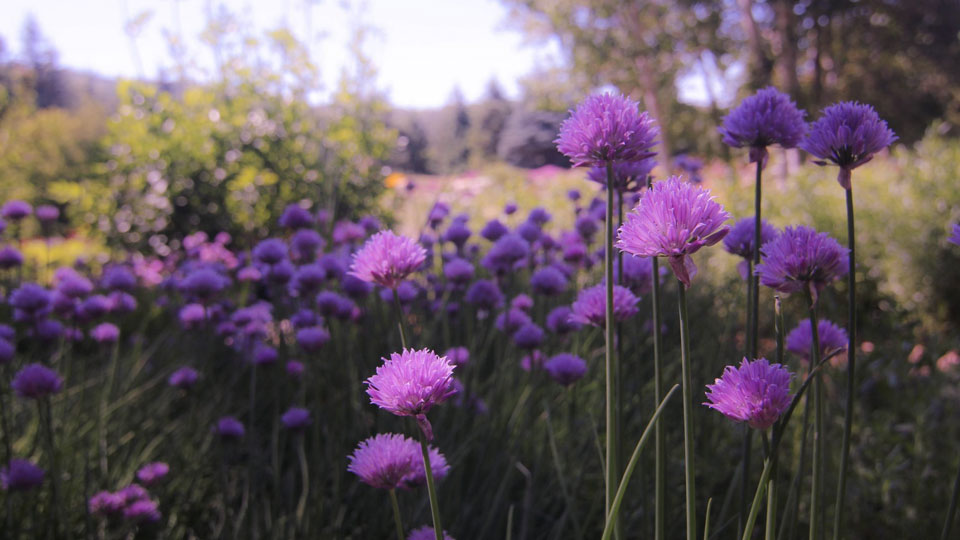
[(423, 49)]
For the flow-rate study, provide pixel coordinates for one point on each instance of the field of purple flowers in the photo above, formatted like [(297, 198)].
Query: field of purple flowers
[(514, 380)]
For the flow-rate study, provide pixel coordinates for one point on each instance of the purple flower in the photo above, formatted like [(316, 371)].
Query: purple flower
[(766, 118), (184, 377), (151, 473), (529, 231), (229, 427), (540, 216), (484, 294), (387, 259), (355, 287), (35, 381), (522, 302), (105, 503), (264, 355), (296, 418), (73, 285), (438, 213), (458, 271), (534, 360), (295, 217), (559, 321), (410, 383), (305, 243), (637, 273), (674, 219), (105, 333), (740, 240), (312, 338), (573, 195), (121, 302), (47, 213), (142, 511), (249, 273), (309, 277), (31, 299), (586, 226), (7, 350), (511, 320), (954, 237), (510, 208), (548, 281), (270, 251), (756, 393), (51, 329), (847, 134), (493, 230), (457, 233), (15, 210), (591, 305), (10, 258), (605, 129), (133, 492), (628, 176), (509, 249), (802, 259), (192, 315), (427, 533), (418, 474), (528, 336), (382, 461), (800, 339), (295, 369), (20, 475), (118, 278), (93, 307), (457, 356), (566, 368), (203, 283)]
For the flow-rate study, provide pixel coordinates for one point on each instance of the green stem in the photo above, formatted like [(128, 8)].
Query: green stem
[(754, 280), (771, 523), (610, 363), (400, 325), (817, 483), (952, 508), (631, 465), (851, 369), (660, 450), (688, 457), (396, 514), (431, 488)]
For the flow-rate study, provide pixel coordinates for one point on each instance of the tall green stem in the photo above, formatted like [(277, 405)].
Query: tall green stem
[(817, 484), (688, 458), (431, 487), (754, 280), (610, 364), (771, 524), (660, 448), (851, 368), (400, 326), (396, 514)]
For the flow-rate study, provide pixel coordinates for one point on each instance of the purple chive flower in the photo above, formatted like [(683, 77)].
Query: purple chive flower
[(427, 533), (382, 461), (573, 195), (690, 165), (270, 251), (121, 302), (105, 333), (35, 381), (10, 257), (312, 338), (192, 315), (295, 217), (305, 243), (7, 350), (229, 427), (591, 305), (457, 233), (528, 336), (370, 224), (484, 294), (954, 237), (638, 273), (142, 511), (586, 226), (847, 134), (31, 299), (387, 259), (566, 368), (133, 492), (559, 321), (20, 475), (204, 283), (522, 302), (15, 210), (282, 272), (510, 208), (800, 339), (458, 271), (118, 278), (309, 277), (304, 318), (248, 274), (47, 213), (506, 251), (766, 118), (802, 259), (410, 383), (548, 281), (355, 287), (105, 504), (457, 356), (73, 285), (606, 129), (540, 216), (511, 320), (152, 473), (50, 329), (740, 240), (674, 219), (438, 213), (418, 474), (295, 369), (264, 355), (756, 393), (184, 378), (93, 307), (493, 230), (628, 176), (7, 332), (296, 418)]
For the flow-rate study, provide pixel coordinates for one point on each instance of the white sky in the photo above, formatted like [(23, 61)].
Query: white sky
[(422, 49)]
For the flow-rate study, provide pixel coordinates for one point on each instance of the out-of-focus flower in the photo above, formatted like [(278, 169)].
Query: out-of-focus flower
[(548, 281), (15, 210), (20, 475), (457, 356), (142, 511), (484, 294), (105, 333), (270, 251), (105, 504), (418, 475), (152, 473), (10, 257), (528, 336), (184, 377), (493, 230), (427, 533), (591, 305), (296, 217), (954, 237), (801, 259), (312, 338), (296, 418), (47, 212), (35, 381), (229, 427), (559, 320), (566, 368), (831, 336), (459, 271), (756, 393)]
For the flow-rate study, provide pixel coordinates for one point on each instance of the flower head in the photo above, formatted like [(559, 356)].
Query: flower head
[(766, 118), (10, 257), (105, 333), (566, 368), (756, 393), (559, 320), (410, 383), (20, 475), (427, 533), (802, 259), (831, 336), (591, 305), (184, 377), (674, 219), (229, 427), (15, 210), (296, 217), (548, 281), (484, 294), (383, 461), (847, 134), (142, 511), (418, 476), (151, 473), (35, 381), (605, 129), (740, 240), (296, 418), (954, 237), (387, 259), (105, 503)]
